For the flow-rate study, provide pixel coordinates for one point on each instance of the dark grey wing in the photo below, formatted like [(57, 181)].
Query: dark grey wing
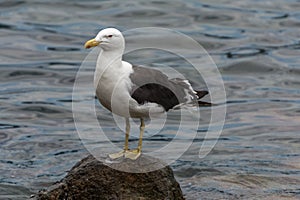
[(150, 85)]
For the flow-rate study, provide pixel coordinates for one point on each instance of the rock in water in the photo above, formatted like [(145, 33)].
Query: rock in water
[(91, 179)]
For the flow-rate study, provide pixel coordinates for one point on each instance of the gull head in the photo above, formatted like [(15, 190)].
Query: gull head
[(108, 39)]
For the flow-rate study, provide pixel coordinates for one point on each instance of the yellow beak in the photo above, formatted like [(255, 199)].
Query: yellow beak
[(91, 43)]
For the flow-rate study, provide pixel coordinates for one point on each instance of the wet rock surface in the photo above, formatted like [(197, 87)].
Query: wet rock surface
[(92, 179)]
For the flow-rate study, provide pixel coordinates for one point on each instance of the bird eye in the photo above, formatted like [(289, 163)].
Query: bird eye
[(109, 36)]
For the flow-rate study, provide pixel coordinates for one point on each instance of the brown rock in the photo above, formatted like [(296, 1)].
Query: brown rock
[(92, 179)]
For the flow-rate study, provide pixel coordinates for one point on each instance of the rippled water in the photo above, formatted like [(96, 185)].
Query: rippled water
[(255, 44)]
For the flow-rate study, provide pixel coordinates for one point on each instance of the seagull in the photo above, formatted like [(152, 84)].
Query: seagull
[(132, 91)]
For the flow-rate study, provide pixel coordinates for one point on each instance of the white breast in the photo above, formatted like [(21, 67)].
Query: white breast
[(113, 85)]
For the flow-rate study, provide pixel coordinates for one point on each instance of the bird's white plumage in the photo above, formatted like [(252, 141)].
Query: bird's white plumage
[(112, 81)]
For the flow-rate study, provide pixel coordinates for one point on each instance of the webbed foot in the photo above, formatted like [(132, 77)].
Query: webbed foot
[(133, 154), (117, 155)]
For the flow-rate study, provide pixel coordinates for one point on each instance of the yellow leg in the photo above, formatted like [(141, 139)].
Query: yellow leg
[(142, 128), (122, 153), (127, 134), (134, 154)]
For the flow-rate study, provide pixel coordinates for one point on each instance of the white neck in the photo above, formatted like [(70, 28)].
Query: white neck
[(107, 61)]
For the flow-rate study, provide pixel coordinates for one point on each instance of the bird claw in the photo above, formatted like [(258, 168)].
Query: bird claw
[(117, 155), (133, 154)]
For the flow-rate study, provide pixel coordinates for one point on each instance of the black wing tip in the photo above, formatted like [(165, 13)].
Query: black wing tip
[(201, 93), (205, 104)]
